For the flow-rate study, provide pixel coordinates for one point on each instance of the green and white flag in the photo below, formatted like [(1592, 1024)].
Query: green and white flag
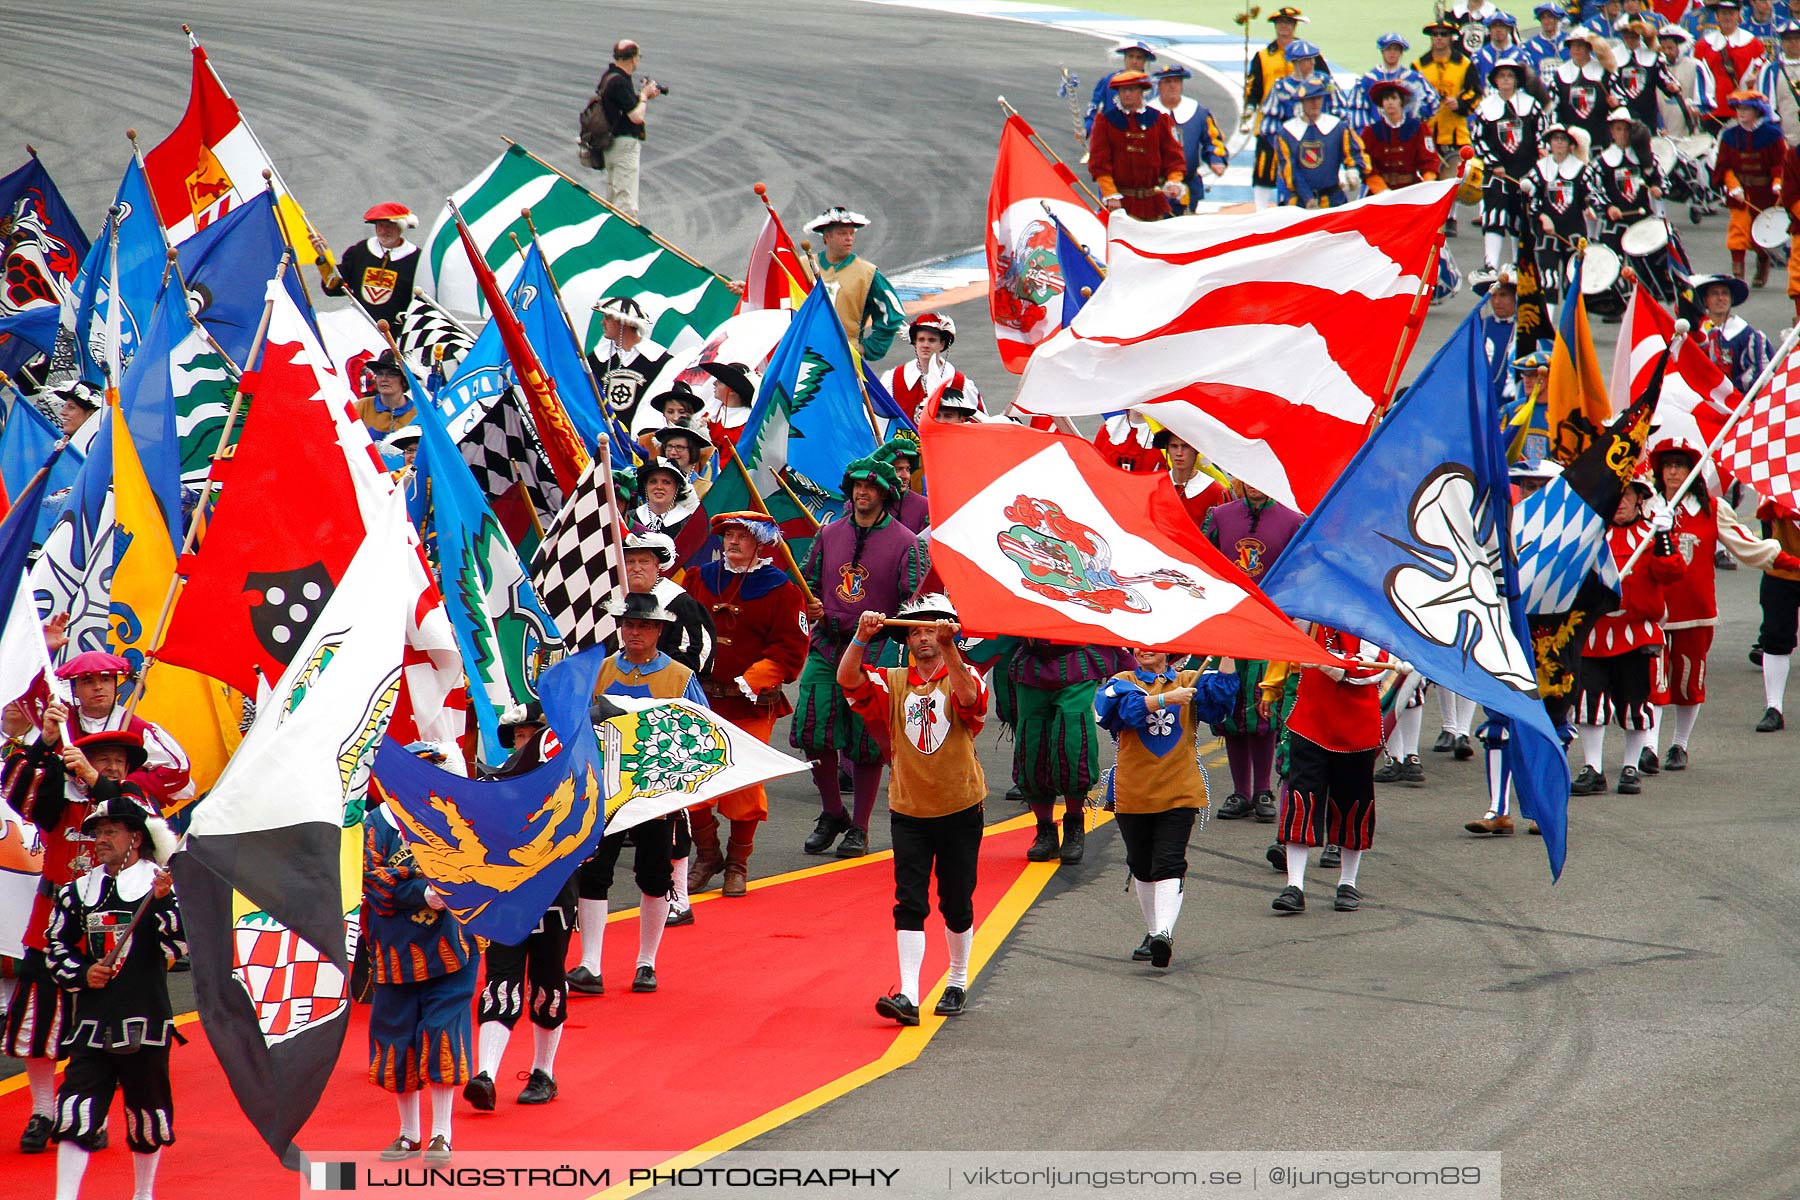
[(593, 253), (664, 755), (203, 390)]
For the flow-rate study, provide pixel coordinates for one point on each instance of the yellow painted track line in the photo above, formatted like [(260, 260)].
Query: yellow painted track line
[(910, 1042)]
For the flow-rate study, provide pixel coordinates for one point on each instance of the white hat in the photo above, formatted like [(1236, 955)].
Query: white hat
[(837, 214), (626, 310), (928, 606)]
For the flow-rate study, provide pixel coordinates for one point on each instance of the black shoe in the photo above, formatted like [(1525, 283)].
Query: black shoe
[(1291, 900), (1592, 783), (1016, 794), (95, 1141), (1330, 857), (1648, 763), (1756, 653), (1445, 744), (1675, 759), (1142, 953), (951, 1003), (1043, 847), (899, 1008), (1628, 781), (1390, 771), (1348, 898), (539, 1089), (1464, 750), (1074, 838), (586, 982), (1265, 808), (480, 1093), (855, 843), (683, 917), (644, 980), (1722, 559), (1162, 949), (1235, 808), (826, 831), (1771, 721), (1412, 770), (36, 1138), (1277, 856)]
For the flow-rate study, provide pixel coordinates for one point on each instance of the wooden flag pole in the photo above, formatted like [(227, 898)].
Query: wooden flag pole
[(787, 552), (671, 247), (1044, 146)]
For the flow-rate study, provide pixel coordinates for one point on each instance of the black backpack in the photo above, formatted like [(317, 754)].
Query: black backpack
[(596, 134)]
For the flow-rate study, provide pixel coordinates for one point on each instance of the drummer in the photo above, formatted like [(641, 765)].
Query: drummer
[(1640, 76), (1559, 197), (1504, 128), (1683, 113), (1626, 175), (1748, 170), (1580, 87)]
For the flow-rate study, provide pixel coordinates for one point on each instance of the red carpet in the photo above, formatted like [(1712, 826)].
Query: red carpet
[(763, 1002)]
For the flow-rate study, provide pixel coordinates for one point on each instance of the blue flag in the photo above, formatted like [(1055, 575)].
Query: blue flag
[(44, 248), (883, 402), (1411, 549), (227, 267), (74, 573), (1078, 272), (482, 375), (534, 302), (510, 844), (143, 255), (500, 626), (147, 394), (26, 444), (810, 388)]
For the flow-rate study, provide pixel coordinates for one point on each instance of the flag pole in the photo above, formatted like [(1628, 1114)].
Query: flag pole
[(671, 247), (556, 293), (1427, 282), (161, 627), (1768, 371), (787, 552), (1099, 267), (173, 265), (1041, 144)]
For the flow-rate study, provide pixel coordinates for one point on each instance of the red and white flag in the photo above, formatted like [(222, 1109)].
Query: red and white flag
[(1035, 535), (1762, 451), (1696, 396), (1268, 342), (775, 278), (1025, 283), (212, 163)]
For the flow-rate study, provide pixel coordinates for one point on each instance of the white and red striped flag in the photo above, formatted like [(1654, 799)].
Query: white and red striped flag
[(1697, 398), (775, 278), (1269, 342), (1762, 451)]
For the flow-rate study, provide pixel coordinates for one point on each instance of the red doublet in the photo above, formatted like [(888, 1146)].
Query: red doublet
[(1692, 599), (1132, 155), (761, 639), (1754, 162), (1400, 154), (1637, 622), (1338, 714)]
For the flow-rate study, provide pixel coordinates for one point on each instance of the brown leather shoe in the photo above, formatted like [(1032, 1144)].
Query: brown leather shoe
[(737, 870), (1762, 270), (708, 862), (1500, 826)]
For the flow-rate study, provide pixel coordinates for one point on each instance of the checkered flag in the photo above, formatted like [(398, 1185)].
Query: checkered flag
[(424, 328), (1763, 448), (579, 563), (502, 451)]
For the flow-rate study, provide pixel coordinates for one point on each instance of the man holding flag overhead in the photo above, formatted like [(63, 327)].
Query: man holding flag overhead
[(1409, 550)]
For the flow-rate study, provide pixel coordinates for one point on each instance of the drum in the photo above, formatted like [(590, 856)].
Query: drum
[(1770, 233), (1701, 147), (1601, 282), (1663, 150), (1645, 238)]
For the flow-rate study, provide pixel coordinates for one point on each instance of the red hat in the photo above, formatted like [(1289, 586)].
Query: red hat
[(93, 662), (1125, 79), (133, 745), (389, 210)]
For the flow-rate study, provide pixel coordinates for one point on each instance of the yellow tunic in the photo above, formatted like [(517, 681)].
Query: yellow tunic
[(1143, 782), (1454, 79)]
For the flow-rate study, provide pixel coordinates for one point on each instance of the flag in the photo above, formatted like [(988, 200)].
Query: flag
[(44, 248), (25, 667), (499, 626), (273, 989), (1081, 275), (1410, 550), (1576, 403), (1697, 398), (508, 465), (212, 164), (199, 713), (1269, 342), (73, 575), (1763, 448), (151, 406), (809, 411), (26, 443), (1035, 535), (1533, 329), (1025, 279), (225, 267), (593, 251), (533, 297), (580, 563), (775, 278), (556, 432), (21, 865), (1544, 533), (256, 585), (143, 256), (498, 871), (483, 373), (429, 336)]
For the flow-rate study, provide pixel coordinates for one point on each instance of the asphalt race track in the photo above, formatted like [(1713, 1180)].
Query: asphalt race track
[(1627, 1033)]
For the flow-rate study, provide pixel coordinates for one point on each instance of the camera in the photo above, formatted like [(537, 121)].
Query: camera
[(662, 89)]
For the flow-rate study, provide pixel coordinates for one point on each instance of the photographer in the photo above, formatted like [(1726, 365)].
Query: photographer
[(615, 142)]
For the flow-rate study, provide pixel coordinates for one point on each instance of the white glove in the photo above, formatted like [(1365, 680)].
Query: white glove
[(1663, 521)]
